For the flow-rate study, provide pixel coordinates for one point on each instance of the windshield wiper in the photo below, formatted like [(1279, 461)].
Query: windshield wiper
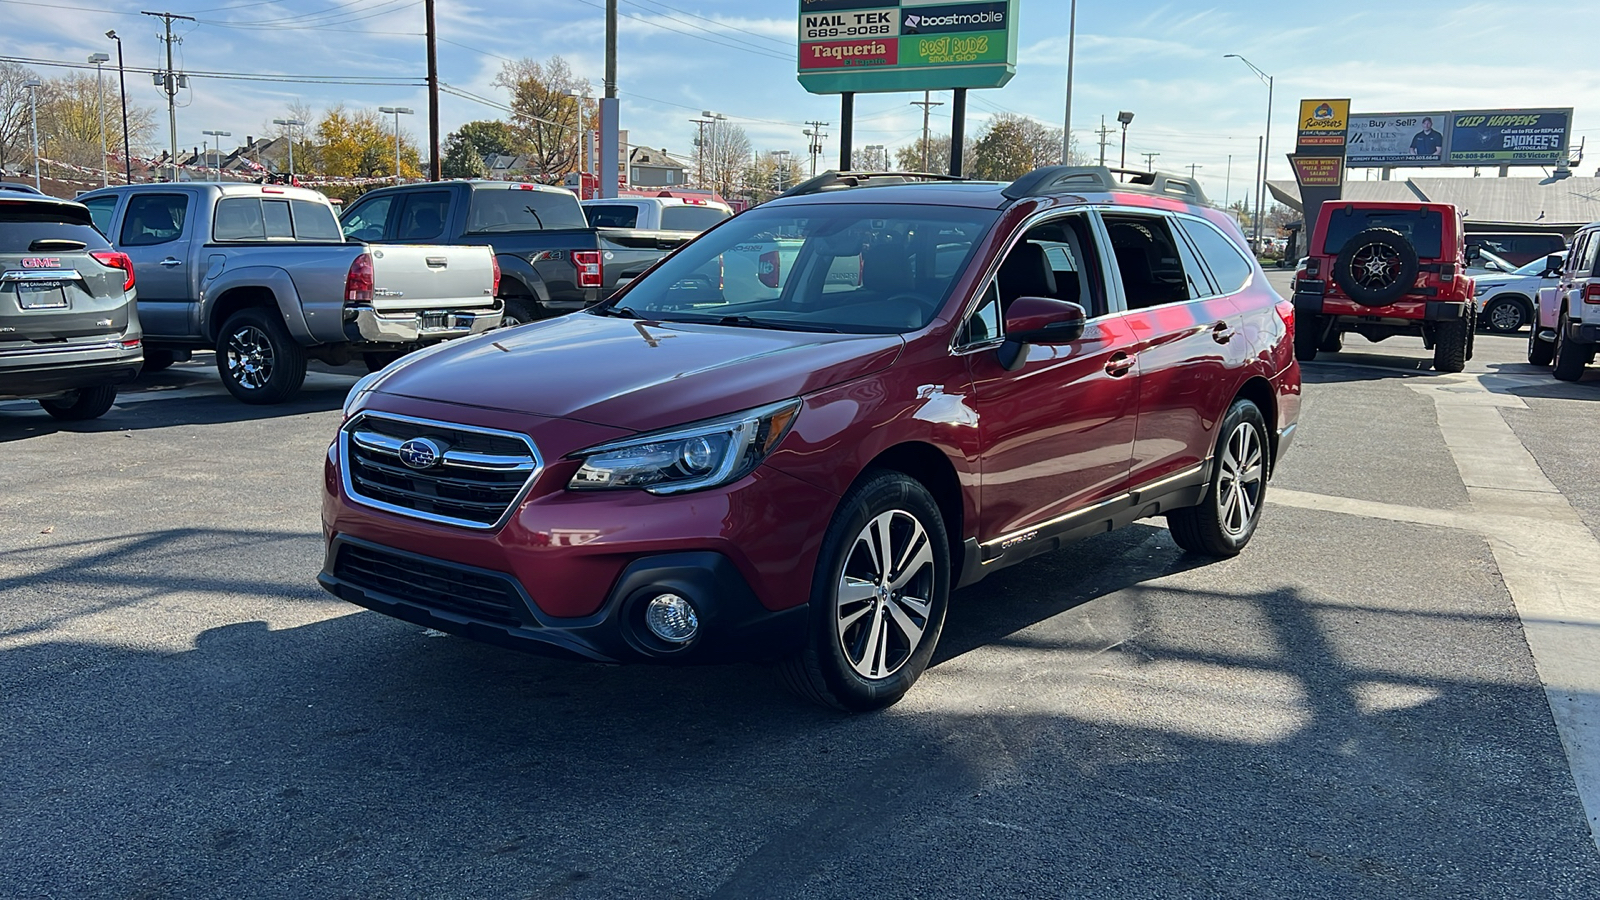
[(620, 312), (748, 322)]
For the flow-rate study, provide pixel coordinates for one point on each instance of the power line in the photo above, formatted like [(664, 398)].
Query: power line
[(758, 51), (784, 44), (374, 80)]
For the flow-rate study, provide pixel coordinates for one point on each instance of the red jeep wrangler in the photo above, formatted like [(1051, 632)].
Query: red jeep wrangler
[(1382, 269)]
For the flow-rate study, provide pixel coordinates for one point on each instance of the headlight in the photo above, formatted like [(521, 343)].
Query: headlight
[(1481, 289), (357, 391), (694, 457)]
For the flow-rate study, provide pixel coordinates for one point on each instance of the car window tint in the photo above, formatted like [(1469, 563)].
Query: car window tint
[(153, 219), (102, 209), (1222, 256), (690, 218), (422, 216), (612, 216), (1058, 260), (513, 210), (365, 221), (21, 225), (239, 219), (1424, 228), (984, 323), (1148, 261), (275, 213), (1194, 274), (314, 222)]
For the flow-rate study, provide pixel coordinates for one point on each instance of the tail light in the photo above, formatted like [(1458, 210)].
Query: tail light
[(494, 263), (1591, 293), (358, 282), (1313, 267), (1447, 272), (589, 271), (111, 259)]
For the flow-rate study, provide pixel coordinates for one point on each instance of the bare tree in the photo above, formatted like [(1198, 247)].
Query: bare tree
[(15, 138), (725, 157), (72, 111), (909, 157)]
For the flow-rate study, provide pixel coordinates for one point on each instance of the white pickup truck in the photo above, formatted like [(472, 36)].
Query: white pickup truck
[(263, 275), (687, 214)]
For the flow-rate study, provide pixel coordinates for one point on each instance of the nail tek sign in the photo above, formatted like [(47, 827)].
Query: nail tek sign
[(910, 45)]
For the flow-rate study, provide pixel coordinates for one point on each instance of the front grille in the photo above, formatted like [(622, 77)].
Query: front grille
[(430, 583), (476, 476)]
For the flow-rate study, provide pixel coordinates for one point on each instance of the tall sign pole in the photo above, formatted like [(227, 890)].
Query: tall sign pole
[(433, 96), (609, 110), (1066, 130)]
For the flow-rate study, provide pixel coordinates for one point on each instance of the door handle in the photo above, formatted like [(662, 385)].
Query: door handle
[(169, 262), (1221, 333), (1119, 364)]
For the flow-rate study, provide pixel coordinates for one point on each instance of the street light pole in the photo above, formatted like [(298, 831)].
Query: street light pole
[(122, 80), (32, 84), (1066, 131), (1125, 118), (219, 135), (99, 59), (290, 124), (1266, 143), (397, 112)]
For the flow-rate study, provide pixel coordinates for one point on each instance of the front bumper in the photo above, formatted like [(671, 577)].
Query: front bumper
[(494, 608), (363, 324), (45, 371)]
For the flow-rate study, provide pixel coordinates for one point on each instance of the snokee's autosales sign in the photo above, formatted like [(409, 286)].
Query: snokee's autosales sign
[(910, 45)]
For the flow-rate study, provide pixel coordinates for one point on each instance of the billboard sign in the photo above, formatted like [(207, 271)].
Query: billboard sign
[(1509, 137), (870, 46), (1397, 139), (1317, 171), (1322, 124)]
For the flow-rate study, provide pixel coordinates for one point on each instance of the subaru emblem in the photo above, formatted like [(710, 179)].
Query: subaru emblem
[(421, 453)]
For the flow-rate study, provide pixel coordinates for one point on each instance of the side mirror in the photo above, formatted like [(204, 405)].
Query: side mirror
[(1039, 320), (1472, 252), (1553, 264)]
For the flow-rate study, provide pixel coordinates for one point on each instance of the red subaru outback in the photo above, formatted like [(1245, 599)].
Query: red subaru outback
[(793, 438)]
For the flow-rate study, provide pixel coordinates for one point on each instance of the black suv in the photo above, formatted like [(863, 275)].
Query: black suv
[(69, 333)]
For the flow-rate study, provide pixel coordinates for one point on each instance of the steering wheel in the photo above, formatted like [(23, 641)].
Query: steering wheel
[(918, 301)]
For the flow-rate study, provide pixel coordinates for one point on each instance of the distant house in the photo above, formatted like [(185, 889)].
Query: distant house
[(649, 168)]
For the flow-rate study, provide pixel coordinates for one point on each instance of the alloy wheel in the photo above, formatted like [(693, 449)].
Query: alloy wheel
[(250, 357), (1375, 265), (885, 594), (1243, 472), (1505, 318)]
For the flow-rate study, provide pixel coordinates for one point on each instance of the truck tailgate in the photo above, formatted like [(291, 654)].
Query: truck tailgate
[(629, 251), (431, 276)]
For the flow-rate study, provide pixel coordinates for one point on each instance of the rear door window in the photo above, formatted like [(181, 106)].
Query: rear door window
[(1149, 261), (154, 219), (422, 217), (1424, 228)]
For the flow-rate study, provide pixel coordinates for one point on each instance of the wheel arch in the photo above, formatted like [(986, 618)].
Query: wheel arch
[(931, 468), (1258, 390), (235, 299)]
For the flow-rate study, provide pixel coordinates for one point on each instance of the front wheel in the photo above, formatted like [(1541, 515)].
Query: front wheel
[(258, 359), (1227, 517), (85, 403), (1505, 316), (878, 597)]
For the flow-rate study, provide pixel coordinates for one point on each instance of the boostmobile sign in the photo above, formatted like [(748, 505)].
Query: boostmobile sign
[(912, 45)]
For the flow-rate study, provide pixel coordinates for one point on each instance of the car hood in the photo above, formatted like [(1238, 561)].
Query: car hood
[(634, 374)]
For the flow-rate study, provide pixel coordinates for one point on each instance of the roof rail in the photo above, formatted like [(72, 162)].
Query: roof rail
[(22, 188), (1066, 179), (838, 181)]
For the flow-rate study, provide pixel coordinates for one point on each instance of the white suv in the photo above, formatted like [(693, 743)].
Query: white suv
[(1507, 294), (1568, 330)]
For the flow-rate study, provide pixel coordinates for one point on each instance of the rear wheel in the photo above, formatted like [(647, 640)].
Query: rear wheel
[(878, 598), (85, 403), (1226, 519), (1450, 342), (1333, 343), (520, 311), (1570, 358), (258, 359)]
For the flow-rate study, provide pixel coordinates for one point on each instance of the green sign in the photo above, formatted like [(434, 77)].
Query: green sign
[(870, 46)]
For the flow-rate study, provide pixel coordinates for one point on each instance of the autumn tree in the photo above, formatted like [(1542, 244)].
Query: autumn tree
[(70, 110), (466, 149), (909, 157), (548, 114), (360, 144), (1012, 146)]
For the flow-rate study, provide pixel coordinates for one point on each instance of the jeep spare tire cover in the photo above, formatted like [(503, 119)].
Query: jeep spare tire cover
[(1376, 267)]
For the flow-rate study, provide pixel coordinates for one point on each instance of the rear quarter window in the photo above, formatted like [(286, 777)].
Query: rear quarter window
[(1221, 255)]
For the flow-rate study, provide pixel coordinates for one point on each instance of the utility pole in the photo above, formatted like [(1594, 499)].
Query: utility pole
[(817, 136), (1192, 167), (1150, 161), (610, 110), (1227, 183), (1066, 129), (926, 105), (1104, 133), (434, 171), (33, 85), (170, 81), (700, 149)]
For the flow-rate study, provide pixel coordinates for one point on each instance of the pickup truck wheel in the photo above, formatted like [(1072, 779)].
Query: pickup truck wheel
[(1505, 315), (878, 597), (1226, 519), (1307, 336), (1540, 353), (1450, 345), (258, 359), (1570, 358), (519, 311), (87, 403)]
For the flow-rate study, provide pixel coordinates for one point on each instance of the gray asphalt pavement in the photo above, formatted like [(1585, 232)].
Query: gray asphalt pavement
[(1348, 709)]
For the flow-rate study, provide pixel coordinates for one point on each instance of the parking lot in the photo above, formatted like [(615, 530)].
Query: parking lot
[(1353, 707)]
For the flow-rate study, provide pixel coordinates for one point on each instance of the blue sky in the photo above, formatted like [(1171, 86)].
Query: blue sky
[(1163, 61)]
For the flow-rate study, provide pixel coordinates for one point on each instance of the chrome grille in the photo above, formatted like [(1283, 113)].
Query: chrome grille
[(478, 477)]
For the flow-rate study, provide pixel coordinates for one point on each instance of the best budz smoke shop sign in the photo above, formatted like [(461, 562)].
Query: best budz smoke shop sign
[(912, 45)]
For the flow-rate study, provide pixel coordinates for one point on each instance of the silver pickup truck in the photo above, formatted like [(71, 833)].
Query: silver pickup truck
[(263, 275)]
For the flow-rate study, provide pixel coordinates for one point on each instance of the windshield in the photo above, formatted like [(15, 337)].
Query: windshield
[(847, 267), (1538, 266)]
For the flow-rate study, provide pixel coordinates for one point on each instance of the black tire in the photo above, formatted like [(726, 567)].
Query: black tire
[(1376, 267), (1450, 345), (1540, 353), (85, 403), (157, 361), (826, 672), (1570, 359), (1333, 343), (1307, 336), (1505, 315), (1227, 517), (258, 359), (521, 311)]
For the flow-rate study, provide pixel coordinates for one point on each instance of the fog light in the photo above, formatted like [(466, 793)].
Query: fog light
[(671, 618)]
